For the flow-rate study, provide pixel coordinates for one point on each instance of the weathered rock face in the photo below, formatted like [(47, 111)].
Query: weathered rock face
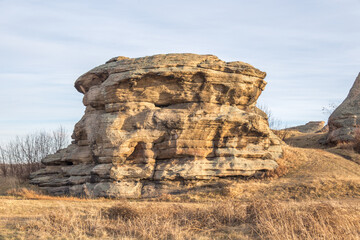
[(310, 127), (154, 124), (344, 121)]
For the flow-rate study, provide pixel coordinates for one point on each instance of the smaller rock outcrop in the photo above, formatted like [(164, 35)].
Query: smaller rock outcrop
[(345, 120), (310, 127)]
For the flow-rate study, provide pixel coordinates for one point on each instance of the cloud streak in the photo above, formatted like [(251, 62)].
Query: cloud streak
[(309, 50)]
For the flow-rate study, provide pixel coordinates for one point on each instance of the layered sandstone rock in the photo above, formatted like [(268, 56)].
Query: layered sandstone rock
[(310, 127), (344, 122), (154, 125)]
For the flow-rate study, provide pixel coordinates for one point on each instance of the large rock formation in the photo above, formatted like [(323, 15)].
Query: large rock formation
[(344, 122), (154, 125)]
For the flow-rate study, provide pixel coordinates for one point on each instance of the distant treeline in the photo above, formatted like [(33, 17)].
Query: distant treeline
[(21, 156)]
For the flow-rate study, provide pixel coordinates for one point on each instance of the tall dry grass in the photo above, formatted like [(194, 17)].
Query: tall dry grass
[(129, 221), (272, 220), (222, 220)]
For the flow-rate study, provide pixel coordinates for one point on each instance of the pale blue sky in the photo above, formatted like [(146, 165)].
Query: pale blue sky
[(309, 49)]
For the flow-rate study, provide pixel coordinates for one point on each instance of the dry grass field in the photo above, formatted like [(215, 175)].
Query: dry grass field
[(105, 219), (314, 194)]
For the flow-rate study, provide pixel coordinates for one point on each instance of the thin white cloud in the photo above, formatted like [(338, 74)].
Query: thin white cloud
[(309, 49)]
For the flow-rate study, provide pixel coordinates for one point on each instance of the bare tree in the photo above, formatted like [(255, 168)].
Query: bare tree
[(23, 155), (3, 163), (60, 138), (274, 123), (330, 108)]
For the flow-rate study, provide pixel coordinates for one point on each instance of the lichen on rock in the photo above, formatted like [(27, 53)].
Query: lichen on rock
[(153, 123)]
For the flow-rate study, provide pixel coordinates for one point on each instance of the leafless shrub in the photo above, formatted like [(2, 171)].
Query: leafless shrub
[(345, 145), (329, 109), (3, 164), (121, 211), (280, 171), (23, 155), (274, 123), (282, 134)]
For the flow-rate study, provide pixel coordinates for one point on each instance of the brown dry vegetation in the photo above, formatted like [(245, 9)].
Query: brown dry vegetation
[(347, 150), (105, 219), (314, 194)]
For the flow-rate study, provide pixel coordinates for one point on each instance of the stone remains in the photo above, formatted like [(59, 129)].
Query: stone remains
[(345, 120), (163, 124), (310, 127)]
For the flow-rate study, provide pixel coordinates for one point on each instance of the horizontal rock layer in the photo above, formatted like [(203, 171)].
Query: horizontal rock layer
[(165, 119)]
